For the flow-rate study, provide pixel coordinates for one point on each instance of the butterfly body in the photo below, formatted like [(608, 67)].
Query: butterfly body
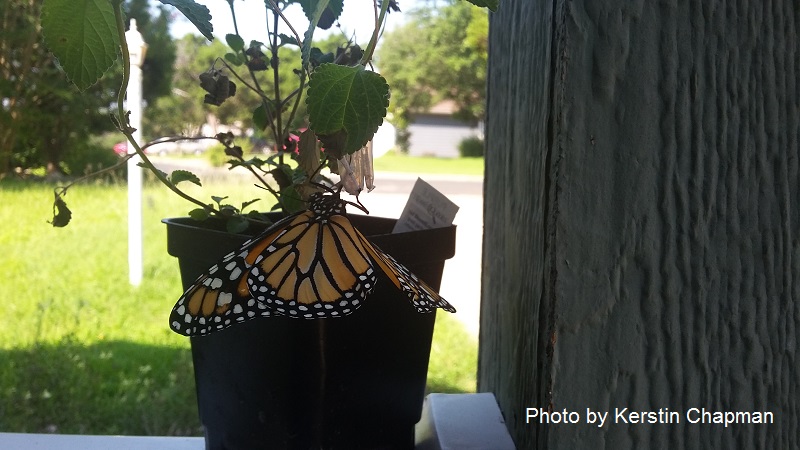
[(313, 264)]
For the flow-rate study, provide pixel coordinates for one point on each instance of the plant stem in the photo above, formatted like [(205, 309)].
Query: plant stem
[(277, 10), (122, 114), (373, 42)]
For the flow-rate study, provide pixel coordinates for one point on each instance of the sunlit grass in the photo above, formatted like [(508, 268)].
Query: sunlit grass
[(398, 162), (83, 351)]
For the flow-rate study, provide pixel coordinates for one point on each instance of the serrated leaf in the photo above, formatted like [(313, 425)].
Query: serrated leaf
[(178, 176), (347, 104), (287, 40), (248, 203), (199, 214), (235, 42), (196, 13), (144, 166), (316, 9), (491, 4), (82, 34)]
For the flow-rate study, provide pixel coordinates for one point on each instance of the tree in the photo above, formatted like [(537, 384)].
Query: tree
[(439, 54), (158, 66), (42, 117), (183, 112)]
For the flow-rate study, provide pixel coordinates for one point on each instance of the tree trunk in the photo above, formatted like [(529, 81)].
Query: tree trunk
[(642, 218)]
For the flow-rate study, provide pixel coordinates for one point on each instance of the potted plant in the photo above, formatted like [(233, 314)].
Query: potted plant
[(354, 376)]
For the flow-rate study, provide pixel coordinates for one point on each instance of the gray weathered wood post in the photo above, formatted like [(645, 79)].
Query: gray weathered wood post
[(642, 216)]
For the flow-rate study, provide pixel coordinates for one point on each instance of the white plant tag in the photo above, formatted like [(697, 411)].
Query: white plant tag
[(426, 208)]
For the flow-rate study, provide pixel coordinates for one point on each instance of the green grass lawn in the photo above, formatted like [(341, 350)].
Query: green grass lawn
[(398, 162), (84, 352)]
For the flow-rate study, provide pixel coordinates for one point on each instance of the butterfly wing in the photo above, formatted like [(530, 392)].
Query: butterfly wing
[(219, 298), (422, 296), (317, 267)]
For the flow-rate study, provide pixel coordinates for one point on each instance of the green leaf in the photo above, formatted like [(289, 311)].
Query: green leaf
[(235, 42), (236, 224), (235, 59), (287, 40), (491, 4), (199, 214), (184, 175), (291, 200), (82, 34), (196, 13), (316, 57), (314, 10), (261, 117), (144, 166), (248, 203), (346, 105)]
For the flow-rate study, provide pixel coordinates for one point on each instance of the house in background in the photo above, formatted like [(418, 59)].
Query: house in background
[(436, 133)]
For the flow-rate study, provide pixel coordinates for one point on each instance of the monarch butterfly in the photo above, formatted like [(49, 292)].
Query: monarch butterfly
[(312, 264)]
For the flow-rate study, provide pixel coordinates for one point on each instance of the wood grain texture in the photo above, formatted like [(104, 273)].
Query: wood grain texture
[(513, 319), (663, 209)]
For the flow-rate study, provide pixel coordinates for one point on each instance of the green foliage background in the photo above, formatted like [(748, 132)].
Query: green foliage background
[(440, 53), (44, 119)]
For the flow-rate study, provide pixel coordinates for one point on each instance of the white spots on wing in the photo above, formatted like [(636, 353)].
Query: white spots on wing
[(216, 283), (224, 298)]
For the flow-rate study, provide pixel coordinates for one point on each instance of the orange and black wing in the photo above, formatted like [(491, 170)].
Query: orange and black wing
[(315, 268), (219, 298), (422, 296)]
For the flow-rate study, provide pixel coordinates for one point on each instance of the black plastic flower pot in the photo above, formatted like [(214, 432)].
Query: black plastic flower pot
[(355, 382)]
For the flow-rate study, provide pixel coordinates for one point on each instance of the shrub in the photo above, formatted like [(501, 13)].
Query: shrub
[(88, 157), (216, 155), (471, 147)]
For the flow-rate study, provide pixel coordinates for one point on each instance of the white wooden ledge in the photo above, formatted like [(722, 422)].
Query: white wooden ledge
[(449, 422), (24, 441)]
